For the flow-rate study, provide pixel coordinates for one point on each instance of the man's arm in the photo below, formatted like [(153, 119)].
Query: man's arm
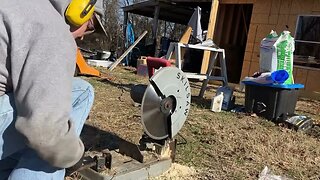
[(42, 58)]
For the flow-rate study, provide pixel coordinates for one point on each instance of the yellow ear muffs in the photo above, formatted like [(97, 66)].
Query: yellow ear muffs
[(80, 11)]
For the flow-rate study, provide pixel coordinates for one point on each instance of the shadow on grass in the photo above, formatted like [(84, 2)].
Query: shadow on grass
[(125, 87), (201, 102), (136, 90), (96, 139), (130, 69)]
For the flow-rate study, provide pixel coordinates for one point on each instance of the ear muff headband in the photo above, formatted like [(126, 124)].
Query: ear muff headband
[(80, 11), (88, 8)]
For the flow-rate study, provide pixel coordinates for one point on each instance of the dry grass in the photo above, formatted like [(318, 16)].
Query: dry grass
[(218, 145)]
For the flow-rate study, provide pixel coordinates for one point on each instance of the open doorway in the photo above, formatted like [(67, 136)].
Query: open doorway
[(231, 34)]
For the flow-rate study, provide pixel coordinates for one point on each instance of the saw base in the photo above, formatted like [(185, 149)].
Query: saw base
[(131, 161), (129, 170)]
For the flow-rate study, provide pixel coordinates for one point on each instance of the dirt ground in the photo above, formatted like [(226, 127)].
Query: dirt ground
[(211, 145)]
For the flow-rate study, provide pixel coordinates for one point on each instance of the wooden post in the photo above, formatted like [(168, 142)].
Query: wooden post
[(155, 25), (125, 23), (211, 28), (155, 22), (165, 29)]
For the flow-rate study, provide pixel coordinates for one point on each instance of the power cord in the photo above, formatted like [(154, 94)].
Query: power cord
[(184, 139)]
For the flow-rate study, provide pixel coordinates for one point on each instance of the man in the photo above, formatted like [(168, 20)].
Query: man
[(42, 107)]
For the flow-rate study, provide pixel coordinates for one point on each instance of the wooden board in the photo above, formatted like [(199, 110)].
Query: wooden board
[(127, 51), (184, 39), (211, 28)]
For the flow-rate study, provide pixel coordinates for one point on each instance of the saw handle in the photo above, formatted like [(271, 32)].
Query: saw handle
[(156, 63)]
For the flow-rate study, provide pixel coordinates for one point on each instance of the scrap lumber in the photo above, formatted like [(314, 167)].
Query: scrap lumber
[(210, 33), (127, 51), (186, 36)]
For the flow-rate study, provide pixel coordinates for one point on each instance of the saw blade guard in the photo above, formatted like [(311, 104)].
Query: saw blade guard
[(166, 103)]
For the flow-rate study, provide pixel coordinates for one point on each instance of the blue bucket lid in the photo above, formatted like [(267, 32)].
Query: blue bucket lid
[(279, 76), (282, 86)]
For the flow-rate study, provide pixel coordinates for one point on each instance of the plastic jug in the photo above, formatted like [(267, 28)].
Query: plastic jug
[(216, 103), (227, 96)]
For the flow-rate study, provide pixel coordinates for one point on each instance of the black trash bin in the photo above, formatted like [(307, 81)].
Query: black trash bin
[(274, 102)]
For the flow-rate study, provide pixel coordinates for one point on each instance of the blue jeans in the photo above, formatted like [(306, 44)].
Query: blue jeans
[(18, 162)]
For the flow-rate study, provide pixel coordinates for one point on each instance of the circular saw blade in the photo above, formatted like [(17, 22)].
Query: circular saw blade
[(168, 82)]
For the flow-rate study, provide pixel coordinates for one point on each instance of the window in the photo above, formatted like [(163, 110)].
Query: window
[(307, 41)]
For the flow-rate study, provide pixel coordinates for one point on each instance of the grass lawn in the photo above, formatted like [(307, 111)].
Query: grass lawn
[(222, 145)]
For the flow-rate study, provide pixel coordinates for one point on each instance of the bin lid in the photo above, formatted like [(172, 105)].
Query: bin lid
[(282, 86)]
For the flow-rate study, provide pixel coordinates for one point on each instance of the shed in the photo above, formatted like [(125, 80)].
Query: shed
[(239, 25)]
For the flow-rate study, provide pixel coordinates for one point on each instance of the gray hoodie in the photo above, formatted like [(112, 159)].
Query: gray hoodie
[(37, 63)]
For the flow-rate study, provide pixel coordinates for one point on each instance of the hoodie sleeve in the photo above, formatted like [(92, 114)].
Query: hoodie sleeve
[(42, 56)]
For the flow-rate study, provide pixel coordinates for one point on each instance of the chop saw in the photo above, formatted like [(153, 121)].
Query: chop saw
[(165, 105)]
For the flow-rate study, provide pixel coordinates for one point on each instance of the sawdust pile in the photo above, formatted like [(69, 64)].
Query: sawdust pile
[(178, 172)]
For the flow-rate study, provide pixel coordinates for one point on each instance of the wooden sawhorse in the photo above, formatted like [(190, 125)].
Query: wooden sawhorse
[(215, 53)]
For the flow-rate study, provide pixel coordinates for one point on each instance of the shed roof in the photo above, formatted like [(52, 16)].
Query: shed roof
[(177, 11)]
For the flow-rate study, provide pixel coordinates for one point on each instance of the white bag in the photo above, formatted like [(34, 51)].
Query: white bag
[(276, 53)]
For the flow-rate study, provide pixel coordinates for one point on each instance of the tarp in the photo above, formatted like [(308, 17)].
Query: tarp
[(129, 41), (130, 35), (195, 24)]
